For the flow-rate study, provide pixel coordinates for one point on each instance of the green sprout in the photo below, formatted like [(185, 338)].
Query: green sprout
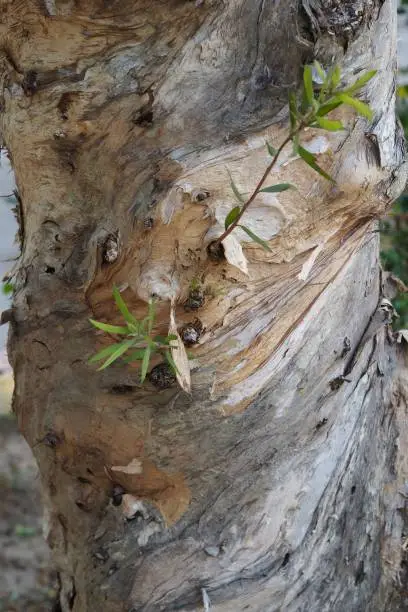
[(138, 344), (7, 288), (321, 94)]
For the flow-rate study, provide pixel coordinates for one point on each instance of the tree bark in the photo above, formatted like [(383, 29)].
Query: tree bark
[(279, 483)]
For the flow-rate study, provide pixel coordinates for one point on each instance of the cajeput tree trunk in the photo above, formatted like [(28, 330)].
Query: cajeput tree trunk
[(278, 483)]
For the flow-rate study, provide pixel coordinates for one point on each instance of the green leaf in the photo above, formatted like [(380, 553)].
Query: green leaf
[(320, 70), (324, 109), (134, 328), (135, 356), (235, 190), (122, 307), (232, 215), (310, 159), (164, 339), (145, 362), (361, 81), (328, 124), (108, 350), (362, 108), (278, 188), (148, 321), (255, 238), (271, 150), (171, 362), (7, 288), (110, 329), (124, 346), (308, 84), (292, 111), (335, 76)]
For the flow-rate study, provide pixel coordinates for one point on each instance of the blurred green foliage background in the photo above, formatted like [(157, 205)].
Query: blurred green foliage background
[(394, 228)]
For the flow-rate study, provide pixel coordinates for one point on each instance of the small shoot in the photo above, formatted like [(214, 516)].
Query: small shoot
[(321, 94), (7, 288), (139, 343)]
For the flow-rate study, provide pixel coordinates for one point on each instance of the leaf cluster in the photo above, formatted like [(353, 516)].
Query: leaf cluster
[(138, 344), (321, 94)]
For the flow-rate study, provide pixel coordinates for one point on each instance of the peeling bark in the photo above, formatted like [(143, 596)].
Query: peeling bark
[(278, 483)]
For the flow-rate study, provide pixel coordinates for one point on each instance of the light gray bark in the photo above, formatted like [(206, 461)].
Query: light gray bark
[(277, 485)]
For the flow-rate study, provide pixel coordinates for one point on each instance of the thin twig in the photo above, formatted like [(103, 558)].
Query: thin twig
[(265, 175)]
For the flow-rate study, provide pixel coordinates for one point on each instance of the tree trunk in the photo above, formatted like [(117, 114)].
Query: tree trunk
[(279, 482)]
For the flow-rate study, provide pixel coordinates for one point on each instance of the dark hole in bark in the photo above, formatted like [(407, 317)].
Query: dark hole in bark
[(215, 251), (190, 333), (49, 269), (90, 471), (83, 480), (145, 118), (121, 389), (29, 83), (321, 423), (202, 195), (195, 300), (161, 376), (81, 505), (51, 439), (117, 493), (360, 574), (353, 489), (285, 560), (110, 249), (148, 223)]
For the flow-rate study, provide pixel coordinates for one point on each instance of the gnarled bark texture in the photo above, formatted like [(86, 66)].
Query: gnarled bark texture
[(277, 485)]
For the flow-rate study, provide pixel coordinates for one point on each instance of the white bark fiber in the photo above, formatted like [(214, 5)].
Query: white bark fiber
[(279, 483)]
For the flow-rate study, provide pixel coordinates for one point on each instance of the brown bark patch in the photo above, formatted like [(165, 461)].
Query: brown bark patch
[(168, 492)]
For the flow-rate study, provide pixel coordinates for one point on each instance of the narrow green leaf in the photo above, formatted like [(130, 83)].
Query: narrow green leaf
[(164, 339), (326, 85), (135, 356), (255, 238), (148, 322), (271, 150), (324, 109), (362, 108), (292, 111), (235, 190), (335, 76), (171, 362), (328, 124), (320, 71), (367, 76), (120, 303), (124, 346), (308, 84), (278, 188), (108, 350), (134, 328), (110, 329), (232, 215), (145, 363), (310, 159)]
